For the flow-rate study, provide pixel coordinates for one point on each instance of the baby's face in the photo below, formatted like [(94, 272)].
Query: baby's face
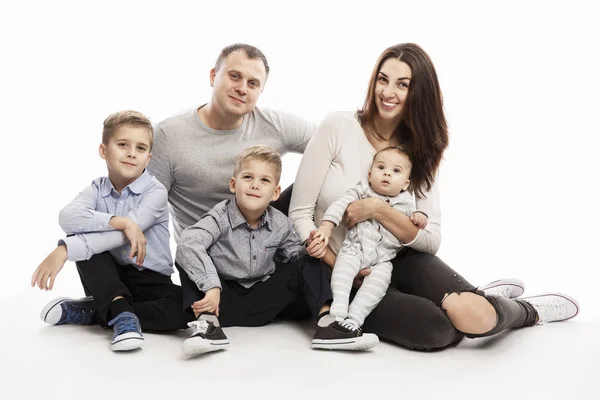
[(390, 173)]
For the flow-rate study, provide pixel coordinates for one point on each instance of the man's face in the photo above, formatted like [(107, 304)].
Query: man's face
[(237, 84)]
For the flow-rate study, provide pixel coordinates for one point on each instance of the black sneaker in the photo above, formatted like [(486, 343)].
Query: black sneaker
[(64, 310), (343, 335), (206, 337)]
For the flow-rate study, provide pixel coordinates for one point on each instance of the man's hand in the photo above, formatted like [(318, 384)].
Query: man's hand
[(49, 268), (419, 220), (358, 280), (361, 210), (138, 241), (210, 302)]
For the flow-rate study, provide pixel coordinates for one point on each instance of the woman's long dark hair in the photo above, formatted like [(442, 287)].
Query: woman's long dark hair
[(423, 131)]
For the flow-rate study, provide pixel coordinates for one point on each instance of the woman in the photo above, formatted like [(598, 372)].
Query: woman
[(429, 305)]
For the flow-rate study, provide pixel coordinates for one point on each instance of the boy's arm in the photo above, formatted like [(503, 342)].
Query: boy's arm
[(290, 247), (192, 255), (80, 215), (150, 210)]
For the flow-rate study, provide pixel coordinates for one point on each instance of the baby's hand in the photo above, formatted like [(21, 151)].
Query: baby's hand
[(317, 244), (419, 220)]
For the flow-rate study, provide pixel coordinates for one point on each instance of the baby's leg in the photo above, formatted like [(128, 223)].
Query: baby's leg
[(371, 292), (345, 270)]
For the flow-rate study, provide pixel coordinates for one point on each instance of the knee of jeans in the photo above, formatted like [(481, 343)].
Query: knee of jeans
[(480, 316), (436, 334)]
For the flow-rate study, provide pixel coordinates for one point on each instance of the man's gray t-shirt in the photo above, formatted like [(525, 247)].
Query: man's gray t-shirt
[(195, 162)]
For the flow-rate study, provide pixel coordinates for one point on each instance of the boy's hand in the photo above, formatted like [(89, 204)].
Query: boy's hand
[(419, 220), (49, 268), (210, 302), (138, 242)]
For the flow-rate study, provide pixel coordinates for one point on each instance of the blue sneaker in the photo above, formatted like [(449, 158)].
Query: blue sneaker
[(65, 310), (128, 332)]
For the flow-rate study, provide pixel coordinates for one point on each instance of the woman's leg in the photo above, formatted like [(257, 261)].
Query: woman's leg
[(470, 310)]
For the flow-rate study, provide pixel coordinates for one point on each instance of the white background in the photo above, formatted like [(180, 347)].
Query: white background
[(520, 82)]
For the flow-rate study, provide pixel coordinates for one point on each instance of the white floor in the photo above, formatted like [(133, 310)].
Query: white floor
[(555, 361)]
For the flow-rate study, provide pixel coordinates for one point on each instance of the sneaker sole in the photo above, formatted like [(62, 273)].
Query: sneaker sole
[(49, 308), (564, 296), (128, 341), (192, 347), (345, 344), (519, 285)]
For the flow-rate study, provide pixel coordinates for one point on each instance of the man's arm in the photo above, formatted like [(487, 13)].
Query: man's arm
[(160, 164), (296, 131), (192, 255)]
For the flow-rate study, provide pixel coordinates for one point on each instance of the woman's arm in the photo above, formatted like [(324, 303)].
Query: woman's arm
[(426, 240), (314, 166)]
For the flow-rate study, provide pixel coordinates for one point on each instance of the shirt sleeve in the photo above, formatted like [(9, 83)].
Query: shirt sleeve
[(80, 215), (160, 164), (290, 247), (428, 240), (151, 209), (192, 251), (297, 131), (335, 212), (318, 156)]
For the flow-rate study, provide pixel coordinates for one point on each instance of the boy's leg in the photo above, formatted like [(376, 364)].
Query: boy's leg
[(374, 287), (345, 270), (157, 301)]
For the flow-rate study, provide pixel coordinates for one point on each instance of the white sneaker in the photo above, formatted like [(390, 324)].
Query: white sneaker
[(205, 338), (509, 288), (553, 307)]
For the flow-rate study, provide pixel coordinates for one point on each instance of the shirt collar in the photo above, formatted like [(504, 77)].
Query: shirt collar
[(137, 186), (236, 218)]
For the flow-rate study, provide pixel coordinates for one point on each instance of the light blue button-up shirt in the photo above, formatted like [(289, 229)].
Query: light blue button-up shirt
[(87, 219)]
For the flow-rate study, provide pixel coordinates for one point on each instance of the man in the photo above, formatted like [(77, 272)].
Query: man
[(194, 152)]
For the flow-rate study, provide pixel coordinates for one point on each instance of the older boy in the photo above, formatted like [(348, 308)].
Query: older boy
[(117, 233), (242, 262)]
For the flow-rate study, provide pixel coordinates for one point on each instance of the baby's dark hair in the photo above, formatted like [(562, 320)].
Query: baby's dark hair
[(391, 148)]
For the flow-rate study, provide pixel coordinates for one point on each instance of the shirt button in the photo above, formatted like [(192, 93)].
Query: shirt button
[(120, 202), (254, 257), (252, 236)]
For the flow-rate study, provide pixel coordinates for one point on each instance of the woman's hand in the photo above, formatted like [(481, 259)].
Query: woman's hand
[(361, 210)]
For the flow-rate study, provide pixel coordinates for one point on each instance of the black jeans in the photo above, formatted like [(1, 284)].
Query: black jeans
[(410, 314), (155, 299), (295, 290)]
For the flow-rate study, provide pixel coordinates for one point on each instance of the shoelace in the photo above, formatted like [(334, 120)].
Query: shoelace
[(126, 324), (349, 324), (75, 315), (199, 326), (506, 292), (552, 310)]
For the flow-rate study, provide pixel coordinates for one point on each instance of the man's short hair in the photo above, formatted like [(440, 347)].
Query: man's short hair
[(250, 51)]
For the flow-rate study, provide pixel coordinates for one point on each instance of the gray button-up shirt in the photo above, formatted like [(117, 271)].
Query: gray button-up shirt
[(223, 244), (87, 219)]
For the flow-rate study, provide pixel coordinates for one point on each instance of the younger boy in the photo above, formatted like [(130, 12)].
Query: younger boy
[(117, 233), (242, 262)]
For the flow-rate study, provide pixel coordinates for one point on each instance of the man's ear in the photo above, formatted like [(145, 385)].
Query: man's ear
[(232, 185), (276, 193), (102, 151), (213, 73)]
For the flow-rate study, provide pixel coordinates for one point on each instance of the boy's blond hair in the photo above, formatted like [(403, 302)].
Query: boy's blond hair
[(260, 153), (127, 117)]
